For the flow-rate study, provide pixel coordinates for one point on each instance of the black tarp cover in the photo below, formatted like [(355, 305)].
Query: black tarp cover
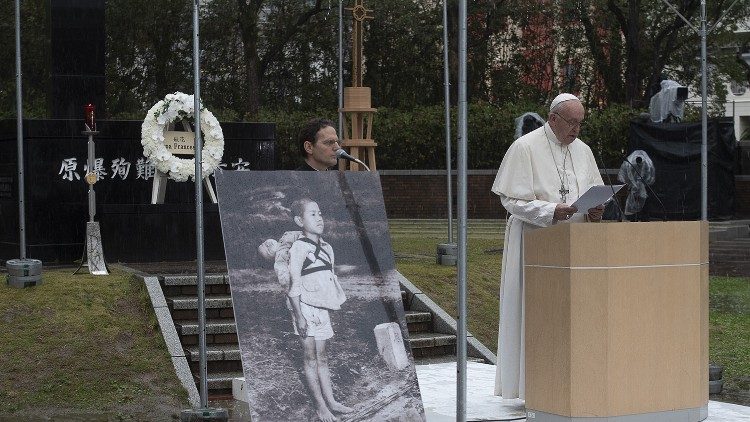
[(675, 149)]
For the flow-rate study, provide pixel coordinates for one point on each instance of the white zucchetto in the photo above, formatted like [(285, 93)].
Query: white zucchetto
[(561, 99)]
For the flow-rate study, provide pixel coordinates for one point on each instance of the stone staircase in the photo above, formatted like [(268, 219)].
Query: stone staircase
[(223, 355), (729, 248)]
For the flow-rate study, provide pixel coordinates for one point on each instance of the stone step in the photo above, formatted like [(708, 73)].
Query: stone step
[(732, 256), (728, 248), (432, 345), (213, 326), (728, 253), (214, 366), (728, 233), (427, 340), (227, 325), (191, 302), (192, 280), (417, 316), (418, 322), (732, 269), (734, 262), (220, 380), (736, 243), (214, 352), (187, 285)]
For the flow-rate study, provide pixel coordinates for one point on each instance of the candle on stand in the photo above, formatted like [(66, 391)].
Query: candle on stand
[(90, 119)]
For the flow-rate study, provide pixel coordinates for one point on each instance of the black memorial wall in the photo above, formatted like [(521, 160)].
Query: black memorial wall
[(133, 230), (675, 150)]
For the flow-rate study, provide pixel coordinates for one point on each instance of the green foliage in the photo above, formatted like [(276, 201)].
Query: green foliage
[(606, 132), (415, 138), (288, 124), (283, 55)]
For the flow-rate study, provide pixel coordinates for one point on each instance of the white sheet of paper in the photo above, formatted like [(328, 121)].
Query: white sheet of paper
[(595, 196)]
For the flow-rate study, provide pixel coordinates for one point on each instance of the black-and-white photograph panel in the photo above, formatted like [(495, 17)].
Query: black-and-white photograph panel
[(317, 305)]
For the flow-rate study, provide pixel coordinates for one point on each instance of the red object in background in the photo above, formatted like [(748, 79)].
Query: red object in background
[(90, 120)]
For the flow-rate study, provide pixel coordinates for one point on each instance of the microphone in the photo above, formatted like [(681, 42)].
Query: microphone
[(648, 187), (609, 181), (340, 153)]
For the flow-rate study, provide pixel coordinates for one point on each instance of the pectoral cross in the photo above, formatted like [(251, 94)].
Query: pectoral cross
[(563, 192)]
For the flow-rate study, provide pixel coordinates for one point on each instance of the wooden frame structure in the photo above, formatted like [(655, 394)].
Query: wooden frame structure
[(358, 111)]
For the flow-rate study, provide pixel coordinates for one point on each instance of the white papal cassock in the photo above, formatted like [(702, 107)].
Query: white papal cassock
[(529, 184)]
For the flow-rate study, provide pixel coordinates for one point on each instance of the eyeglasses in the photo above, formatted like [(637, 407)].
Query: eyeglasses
[(331, 142), (571, 124)]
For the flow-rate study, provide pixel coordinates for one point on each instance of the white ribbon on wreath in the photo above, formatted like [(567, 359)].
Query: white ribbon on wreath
[(176, 107)]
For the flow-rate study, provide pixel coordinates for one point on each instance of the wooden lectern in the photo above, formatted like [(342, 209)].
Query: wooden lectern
[(617, 322)]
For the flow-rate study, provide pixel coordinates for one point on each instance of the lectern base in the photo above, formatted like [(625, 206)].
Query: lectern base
[(682, 415)]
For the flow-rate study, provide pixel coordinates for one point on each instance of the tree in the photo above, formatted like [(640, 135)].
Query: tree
[(257, 19), (148, 55), (633, 43), (34, 62)]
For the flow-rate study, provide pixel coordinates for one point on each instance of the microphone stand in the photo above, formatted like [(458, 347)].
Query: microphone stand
[(342, 154), (614, 194), (648, 187)]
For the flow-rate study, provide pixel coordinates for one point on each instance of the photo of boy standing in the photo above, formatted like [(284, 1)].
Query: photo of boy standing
[(313, 291)]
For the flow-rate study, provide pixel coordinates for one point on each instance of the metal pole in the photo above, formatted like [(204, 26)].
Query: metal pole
[(447, 94), (19, 138), (462, 141), (704, 118), (90, 164), (341, 68), (199, 210)]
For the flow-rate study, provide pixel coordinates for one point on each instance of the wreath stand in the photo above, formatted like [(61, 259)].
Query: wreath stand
[(159, 184)]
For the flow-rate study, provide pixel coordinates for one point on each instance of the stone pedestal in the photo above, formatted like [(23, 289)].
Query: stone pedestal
[(391, 345)]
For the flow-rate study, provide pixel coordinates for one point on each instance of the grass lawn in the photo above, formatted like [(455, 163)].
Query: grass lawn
[(729, 331), (85, 347), (414, 246), (79, 347)]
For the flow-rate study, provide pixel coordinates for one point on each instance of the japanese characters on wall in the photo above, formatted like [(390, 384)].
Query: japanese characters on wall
[(55, 153), (73, 168)]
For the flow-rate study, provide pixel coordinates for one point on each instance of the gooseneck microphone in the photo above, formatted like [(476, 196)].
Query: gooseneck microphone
[(609, 181), (648, 187), (340, 153)]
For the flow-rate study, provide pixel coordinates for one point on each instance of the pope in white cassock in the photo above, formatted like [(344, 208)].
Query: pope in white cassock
[(542, 173)]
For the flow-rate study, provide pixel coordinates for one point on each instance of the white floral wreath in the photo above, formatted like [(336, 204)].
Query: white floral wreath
[(174, 107)]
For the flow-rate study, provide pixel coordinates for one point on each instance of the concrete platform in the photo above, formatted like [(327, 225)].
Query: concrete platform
[(437, 383), (438, 386)]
